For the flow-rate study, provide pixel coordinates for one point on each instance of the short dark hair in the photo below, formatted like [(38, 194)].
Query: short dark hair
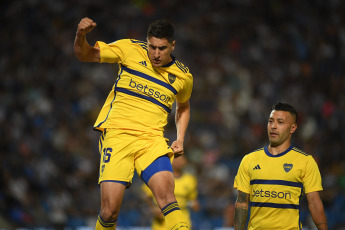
[(282, 106), (161, 29)]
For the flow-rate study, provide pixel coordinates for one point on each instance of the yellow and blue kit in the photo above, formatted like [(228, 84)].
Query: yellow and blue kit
[(276, 184), (142, 95), (135, 112)]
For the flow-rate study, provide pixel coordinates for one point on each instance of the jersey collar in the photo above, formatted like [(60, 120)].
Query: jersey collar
[(278, 155), (170, 63)]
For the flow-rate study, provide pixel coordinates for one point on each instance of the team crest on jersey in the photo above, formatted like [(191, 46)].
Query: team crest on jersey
[(172, 78), (287, 167)]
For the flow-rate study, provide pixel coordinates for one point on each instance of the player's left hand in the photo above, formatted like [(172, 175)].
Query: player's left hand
[(177, 147)]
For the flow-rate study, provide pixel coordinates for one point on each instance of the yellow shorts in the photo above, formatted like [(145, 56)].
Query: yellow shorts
[(122, 151)]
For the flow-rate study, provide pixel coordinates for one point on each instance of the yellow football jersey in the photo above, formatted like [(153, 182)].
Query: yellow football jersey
[(142, 95), (276, 184), (185, 191)]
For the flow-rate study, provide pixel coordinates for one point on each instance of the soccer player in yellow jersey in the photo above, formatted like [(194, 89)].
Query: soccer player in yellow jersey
[(272, 180), (133, 117), (185, 191)]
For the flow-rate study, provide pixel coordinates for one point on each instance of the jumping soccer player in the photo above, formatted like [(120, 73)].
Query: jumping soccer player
[(134, 115)]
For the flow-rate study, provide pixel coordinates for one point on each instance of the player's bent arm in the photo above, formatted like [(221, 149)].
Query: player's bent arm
[(316, 210), (181, 120), (83, 51), (241, 210)]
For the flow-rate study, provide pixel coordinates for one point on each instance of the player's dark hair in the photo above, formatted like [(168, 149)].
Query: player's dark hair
[(281, 106), (161, 29)]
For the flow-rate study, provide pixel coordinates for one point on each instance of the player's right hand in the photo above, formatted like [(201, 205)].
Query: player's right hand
[(85, 26)]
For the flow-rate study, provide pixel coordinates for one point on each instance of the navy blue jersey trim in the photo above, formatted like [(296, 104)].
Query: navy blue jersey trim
[(111, 104), (148, 77), (170, 63), (278, 155), (129, 92), (273, 205), (300, 151), (181, 66), (141, 43), (278, 182), (256, 150)]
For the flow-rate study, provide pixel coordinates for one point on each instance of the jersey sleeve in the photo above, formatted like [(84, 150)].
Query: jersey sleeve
[(312, 179), (115, 52), (186, 92), (242, 179)]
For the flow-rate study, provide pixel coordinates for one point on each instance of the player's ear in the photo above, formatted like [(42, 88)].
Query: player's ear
[(173, 45), (293, 128)]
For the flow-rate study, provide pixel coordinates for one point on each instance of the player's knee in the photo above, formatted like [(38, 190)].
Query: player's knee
[(164, 199), (109, 214)]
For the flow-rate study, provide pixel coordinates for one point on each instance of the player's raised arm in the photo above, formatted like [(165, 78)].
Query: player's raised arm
[(241, 210), (83, 51)]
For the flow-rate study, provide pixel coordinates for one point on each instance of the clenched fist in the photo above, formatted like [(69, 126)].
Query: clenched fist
[(177, 147), (85, 26)]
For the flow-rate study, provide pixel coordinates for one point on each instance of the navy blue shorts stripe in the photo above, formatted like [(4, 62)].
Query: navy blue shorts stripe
[(160, 164), (117, 181), (148, 77), (129, 92), (277, 182)]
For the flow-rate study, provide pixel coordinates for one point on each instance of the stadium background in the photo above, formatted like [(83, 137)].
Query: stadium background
[(244, 55)]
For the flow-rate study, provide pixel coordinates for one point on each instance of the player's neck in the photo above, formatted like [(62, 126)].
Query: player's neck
[(275, 150)]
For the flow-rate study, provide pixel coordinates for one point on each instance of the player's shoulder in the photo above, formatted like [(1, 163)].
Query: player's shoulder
[(253, 155), (300, 152), (138, 43), (178, 65), (256, 152), (120, 41), (131, 42)]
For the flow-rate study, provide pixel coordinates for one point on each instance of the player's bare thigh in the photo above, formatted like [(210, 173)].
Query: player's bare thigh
[(162, 185), (111, 199)]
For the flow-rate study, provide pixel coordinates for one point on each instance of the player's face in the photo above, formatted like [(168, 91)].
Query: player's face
[(159, 50), (281, 125)]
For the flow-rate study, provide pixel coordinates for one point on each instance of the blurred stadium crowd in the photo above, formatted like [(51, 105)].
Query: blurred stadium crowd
[(245, 55)]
